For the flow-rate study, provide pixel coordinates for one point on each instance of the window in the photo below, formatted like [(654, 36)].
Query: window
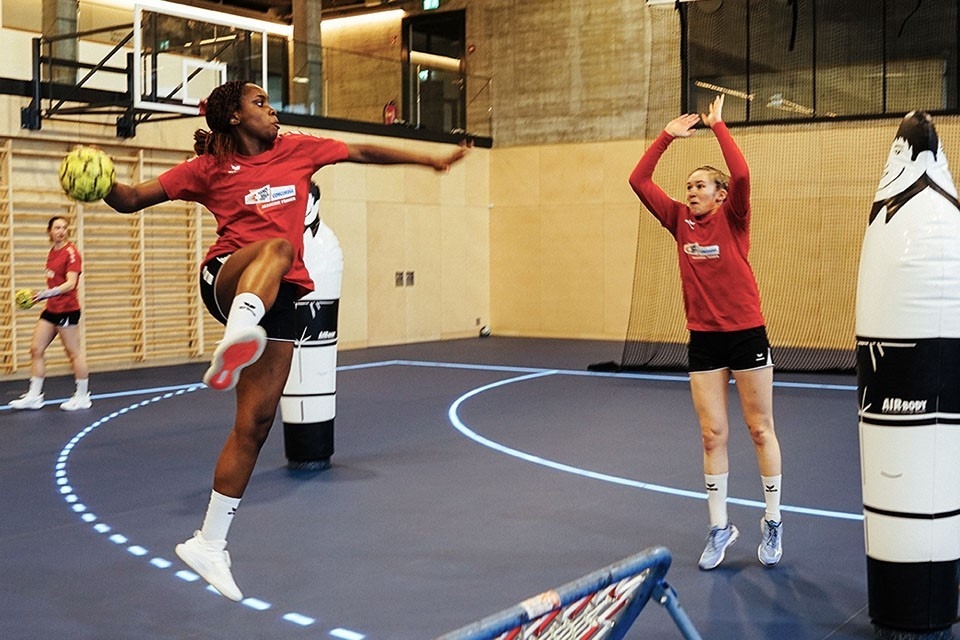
[(782, 60)]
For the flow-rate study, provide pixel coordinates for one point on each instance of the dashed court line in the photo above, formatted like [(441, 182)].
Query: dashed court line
[(527, 374)]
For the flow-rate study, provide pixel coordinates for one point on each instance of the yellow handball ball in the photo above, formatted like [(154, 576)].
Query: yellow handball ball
[(87, 174), (24, 298)]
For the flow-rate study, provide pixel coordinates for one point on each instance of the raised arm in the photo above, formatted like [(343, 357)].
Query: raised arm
[(127, 198), (655, 199), (737, 165), (375, 154)]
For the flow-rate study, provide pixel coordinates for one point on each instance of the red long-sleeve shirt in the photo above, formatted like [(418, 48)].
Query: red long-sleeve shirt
[(720, 291)]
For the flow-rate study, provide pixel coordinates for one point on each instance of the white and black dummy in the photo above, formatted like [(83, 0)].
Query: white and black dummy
[(308, 405), (908, 378)]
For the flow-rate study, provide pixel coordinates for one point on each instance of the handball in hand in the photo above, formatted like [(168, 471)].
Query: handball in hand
[(24, 298), (87, 174)]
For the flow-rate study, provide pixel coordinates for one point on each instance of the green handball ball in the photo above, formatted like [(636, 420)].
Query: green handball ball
[(87, 174), (24, 298)]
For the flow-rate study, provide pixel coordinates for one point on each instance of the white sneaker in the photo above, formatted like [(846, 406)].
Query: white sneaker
[(718, 540), (233, 354), (28, 401), (771, 547), (78, 401), (212, 562)]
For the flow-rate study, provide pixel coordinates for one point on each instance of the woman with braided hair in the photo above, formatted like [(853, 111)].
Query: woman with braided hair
[(255, 181)]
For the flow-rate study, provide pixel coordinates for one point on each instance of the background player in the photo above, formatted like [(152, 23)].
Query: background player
[(61, 316)]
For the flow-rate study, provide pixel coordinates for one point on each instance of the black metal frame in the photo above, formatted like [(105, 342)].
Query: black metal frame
[(96, 101)]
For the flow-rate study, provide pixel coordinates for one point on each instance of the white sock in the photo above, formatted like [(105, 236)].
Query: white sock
[(246, 311), (36, 386), (716, 498), (220, 512), (771, 496), (82, 387)]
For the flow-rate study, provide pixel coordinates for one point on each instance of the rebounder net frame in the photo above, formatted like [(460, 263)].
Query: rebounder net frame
[(602, 604)]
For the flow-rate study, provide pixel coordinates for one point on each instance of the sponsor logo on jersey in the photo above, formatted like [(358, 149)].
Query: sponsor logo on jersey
[(701, 252), (267, 196)]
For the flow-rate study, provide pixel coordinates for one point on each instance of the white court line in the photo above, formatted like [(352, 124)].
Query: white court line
[(459, 425), (529, 373), (84, 511)]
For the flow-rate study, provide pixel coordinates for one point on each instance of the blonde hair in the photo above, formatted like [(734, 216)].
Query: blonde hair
[(719, 178)]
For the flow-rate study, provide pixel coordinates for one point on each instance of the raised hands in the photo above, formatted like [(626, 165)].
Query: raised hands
[(682, 127), (715, 114)]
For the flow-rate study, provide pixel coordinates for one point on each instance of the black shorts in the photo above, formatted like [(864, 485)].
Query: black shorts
[(734, 350), (68, 319), (280, 320)]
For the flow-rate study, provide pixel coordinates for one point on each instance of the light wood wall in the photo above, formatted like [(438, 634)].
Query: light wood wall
[(565, 226), (537, 237), (139, 286)]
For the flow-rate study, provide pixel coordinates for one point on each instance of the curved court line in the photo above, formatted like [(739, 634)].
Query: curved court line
[(594, 374), (459, 425), (118, 538), (530, 373)]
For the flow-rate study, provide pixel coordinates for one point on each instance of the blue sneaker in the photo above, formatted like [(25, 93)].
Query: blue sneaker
[(717, 542), (771, 547)]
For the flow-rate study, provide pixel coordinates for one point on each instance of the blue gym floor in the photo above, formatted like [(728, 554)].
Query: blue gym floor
[(469, 475)]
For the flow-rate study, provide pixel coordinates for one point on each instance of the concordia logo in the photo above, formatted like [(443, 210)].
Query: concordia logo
[(267, 196)]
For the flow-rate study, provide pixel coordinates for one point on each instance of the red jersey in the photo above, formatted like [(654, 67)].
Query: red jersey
[(257, 197), (60, 262), (720, 291)]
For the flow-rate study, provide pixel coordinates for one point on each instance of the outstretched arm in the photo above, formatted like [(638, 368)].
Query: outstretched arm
[(739, 198), (375, 154), (127, 198), (655, 199)]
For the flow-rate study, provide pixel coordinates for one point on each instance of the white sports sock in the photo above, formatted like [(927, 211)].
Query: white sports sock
[(82, 387), (246, 311), (220, 512), (36, 386), (716, 498), (771, 496)]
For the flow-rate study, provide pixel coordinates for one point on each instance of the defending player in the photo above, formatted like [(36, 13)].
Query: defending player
[(60, 316), (255, 182), (727, 332)]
